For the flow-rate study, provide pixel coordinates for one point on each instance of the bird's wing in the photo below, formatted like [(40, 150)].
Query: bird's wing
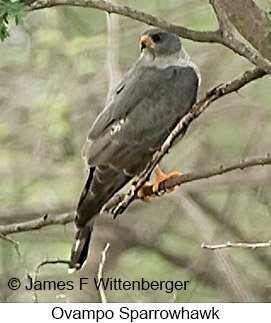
[(128, 93), (142, 113)]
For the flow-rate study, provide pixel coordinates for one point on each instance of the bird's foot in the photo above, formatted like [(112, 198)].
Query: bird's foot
[(161, 177), (141, 194)]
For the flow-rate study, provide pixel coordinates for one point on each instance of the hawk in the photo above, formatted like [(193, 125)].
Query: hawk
[(155, 94)]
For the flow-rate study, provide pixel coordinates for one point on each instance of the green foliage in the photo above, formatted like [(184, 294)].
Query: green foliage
[(10, 11)]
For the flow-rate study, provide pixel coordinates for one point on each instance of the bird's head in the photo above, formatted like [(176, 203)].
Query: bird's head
[(158, 42)]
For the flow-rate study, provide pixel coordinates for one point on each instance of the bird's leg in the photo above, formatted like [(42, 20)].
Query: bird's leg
[(141, 194), (161, 177)]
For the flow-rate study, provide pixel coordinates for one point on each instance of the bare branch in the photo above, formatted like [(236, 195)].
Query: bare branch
[(201, 36), (246, 245), (184, 178), (248, 52), (237, 287), (51, 262), (219, 170), (251, 22), (100, 273), (223, 22), (180, 129), (123, 203), (194, 176), (228, 39), (16, 247), (36, 273), (37, 224), (19, 255)]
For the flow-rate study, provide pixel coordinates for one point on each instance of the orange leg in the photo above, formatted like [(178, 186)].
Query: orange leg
[(141, 195), (161, 177)]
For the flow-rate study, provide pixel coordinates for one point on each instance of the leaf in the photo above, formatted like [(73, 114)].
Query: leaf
[(19, 20), (3, 32), (10, 11)]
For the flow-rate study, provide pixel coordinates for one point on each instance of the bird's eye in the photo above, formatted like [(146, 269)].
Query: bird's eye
[(156, 38)]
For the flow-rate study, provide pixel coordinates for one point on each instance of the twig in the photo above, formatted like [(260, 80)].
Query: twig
[(198, 108), (35, 274), (184, 178), (231, 276), (100, 273), (51, 262), (219, 170), (194, 176), (37, 224), (228, 39), (16, 247), (223, 21), (248, 52), (247, 245), (199, 36), (19, 255), (181, 128), (241, 13)]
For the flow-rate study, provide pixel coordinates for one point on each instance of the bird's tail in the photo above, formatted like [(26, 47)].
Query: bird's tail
[(79, 251), (101, 184), (85, 209)]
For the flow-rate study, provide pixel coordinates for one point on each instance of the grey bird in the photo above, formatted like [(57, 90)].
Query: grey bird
[(155, 94)]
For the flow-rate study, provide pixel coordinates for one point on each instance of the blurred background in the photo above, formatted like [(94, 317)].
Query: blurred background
[(55, 74)]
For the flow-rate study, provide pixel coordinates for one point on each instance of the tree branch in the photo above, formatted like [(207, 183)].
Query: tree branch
[(180, 129), (37, 224), (248, 52), (16, 246), (194, 176), (217, 36), (123, 203), (184, 178), (35, 274), (222, 169), (227, 38), (200, 36), (222, 19), (249, 245), (17, 249), (100, 272), (251, 23)]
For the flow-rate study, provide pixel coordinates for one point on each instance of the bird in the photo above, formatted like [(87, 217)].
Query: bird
[(159, 89)]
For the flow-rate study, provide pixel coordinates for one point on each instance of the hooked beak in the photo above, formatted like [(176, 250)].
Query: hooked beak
[(145, 42)]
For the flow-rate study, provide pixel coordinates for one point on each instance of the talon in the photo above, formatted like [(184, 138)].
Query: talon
[(141, 195), (161, 177)]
